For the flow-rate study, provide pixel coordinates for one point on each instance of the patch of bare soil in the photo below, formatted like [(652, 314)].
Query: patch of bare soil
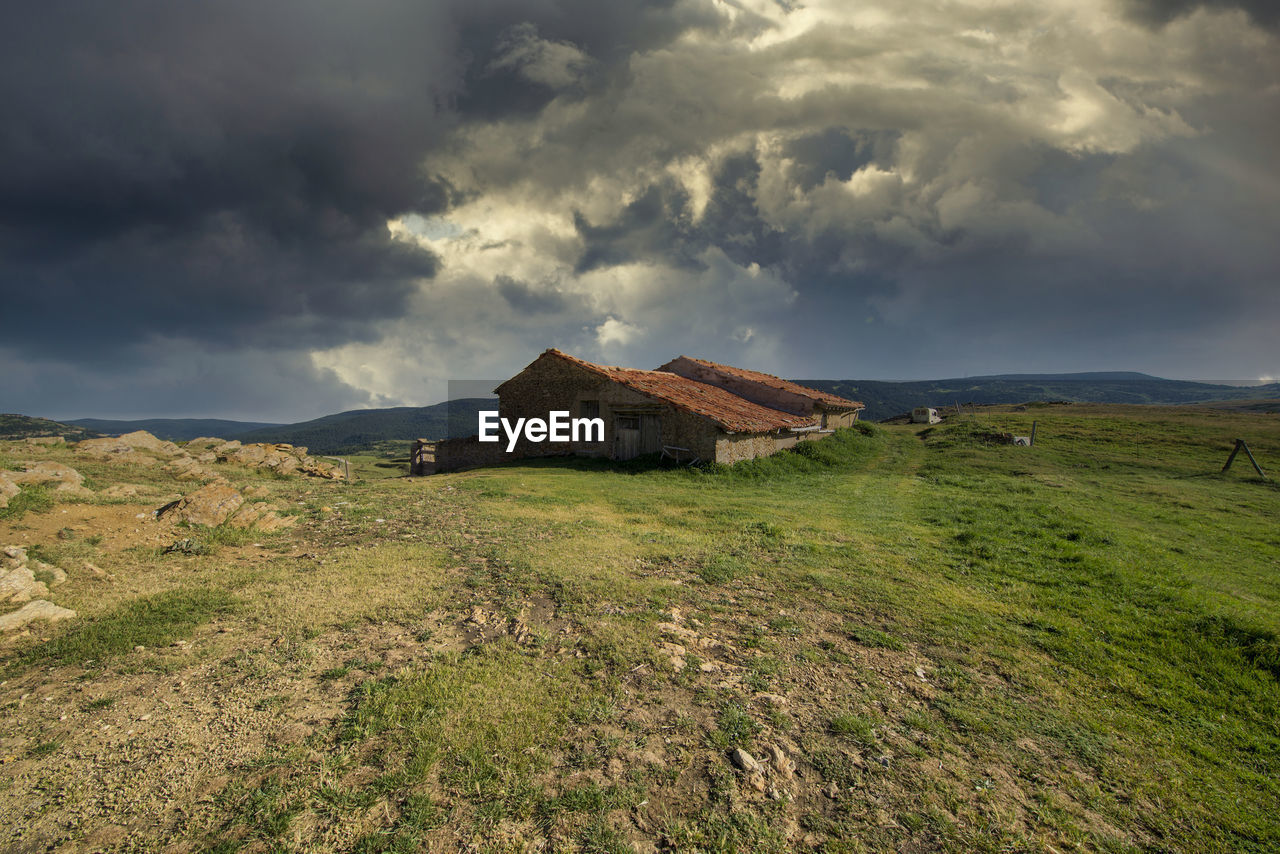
[(91, 760), (120, 526)]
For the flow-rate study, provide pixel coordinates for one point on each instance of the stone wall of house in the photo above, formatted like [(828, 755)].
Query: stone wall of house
[(736, 447), (454, 455), (551, 384), (836, 418), (694, 433)]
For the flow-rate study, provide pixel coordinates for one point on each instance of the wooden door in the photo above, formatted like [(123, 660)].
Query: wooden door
[(650, 434), (626, 437)]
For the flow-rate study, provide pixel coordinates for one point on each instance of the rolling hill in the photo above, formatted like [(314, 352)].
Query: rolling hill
[(173, 429), (359, 428), (27, 427), (887, 399)]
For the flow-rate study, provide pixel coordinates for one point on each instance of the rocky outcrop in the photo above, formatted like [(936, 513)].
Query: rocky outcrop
[(38, 609), (209, 505), (263, 516), (187, 467), (195, 460), (281, 458), (8, 489), (63, 478), (219, 503), (20, 584)]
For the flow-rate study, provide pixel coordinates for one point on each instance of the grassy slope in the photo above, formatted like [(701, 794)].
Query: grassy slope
[(1095, 617)]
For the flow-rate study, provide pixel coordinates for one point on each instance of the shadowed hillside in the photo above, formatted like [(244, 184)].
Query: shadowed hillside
[(887, 399), (361, 428)]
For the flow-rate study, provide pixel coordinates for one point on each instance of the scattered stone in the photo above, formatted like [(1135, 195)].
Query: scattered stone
[(20, 585), (778, 758), (744, 761), (209, 505), (262, 515), (120, 490), (775, 700), (98, 572), (832, 790), (186, 467), (676, 653), (8, 489), (920, 674), (38, 609), (45, 472)]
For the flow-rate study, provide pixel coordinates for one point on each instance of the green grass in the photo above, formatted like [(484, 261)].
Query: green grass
[(978, 647), (150, 621), (32, 499)]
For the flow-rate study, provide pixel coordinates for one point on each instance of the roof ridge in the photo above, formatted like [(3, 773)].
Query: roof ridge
[(731, 411)]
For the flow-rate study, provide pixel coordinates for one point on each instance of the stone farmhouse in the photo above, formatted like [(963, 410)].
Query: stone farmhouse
[(688, 410)]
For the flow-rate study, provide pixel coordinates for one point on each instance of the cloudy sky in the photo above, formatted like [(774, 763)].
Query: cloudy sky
[(278, 210)]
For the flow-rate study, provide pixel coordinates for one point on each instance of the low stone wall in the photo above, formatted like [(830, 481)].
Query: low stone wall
[(428, 457)]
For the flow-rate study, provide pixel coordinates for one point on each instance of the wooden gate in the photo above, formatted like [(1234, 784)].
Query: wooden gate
[(634, 435)]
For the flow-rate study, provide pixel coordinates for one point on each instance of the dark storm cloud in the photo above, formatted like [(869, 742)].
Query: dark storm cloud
[(528, 299), (219, 179), (222, 172), (838, 152), (1161, 12)]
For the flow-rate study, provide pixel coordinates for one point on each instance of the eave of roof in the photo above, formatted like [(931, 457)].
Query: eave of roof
[(830, 401), (732, 413)]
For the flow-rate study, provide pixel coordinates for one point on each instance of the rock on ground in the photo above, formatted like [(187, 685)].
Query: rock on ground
[(20, 585), (126, 448), (8, 489), (262, 515), (39, 609), (47, 472), (744, 761), (209, 505)]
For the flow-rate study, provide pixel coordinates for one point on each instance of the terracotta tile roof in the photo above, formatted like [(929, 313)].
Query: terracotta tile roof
[(822, 397), (733, 413)]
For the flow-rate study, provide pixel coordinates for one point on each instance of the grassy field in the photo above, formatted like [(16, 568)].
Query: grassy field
[(929, 641)]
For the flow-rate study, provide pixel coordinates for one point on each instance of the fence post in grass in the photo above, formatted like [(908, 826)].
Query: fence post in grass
[(1033, 433), (1241, 443), (346, 468)]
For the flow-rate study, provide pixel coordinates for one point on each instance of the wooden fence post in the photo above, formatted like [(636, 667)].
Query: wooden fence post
[(1241, 443)]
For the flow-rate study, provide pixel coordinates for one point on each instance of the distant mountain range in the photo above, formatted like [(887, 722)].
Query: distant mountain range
[(359, 428), (173, 429), (887, 399), (342, 433), (347, 432)]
